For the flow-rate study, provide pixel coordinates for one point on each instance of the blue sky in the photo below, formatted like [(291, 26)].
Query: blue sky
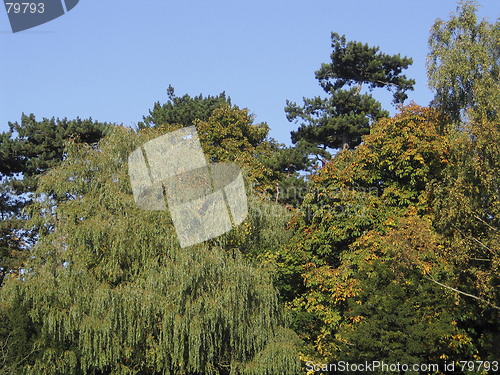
[(113, 59)]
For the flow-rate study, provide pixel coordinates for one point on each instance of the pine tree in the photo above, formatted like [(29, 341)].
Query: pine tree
[(183, 110), (341, 119)]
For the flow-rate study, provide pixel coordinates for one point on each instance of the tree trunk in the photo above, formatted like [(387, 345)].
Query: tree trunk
[(345, 141)]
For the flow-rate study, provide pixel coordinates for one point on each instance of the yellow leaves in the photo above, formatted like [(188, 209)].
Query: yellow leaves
[(419, 158), (426, 268), (358, 319), (459, 340)]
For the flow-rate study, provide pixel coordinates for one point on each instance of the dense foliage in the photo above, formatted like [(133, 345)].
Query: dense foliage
[(109, 289), (389, 251), (341, 119), (27, 150)]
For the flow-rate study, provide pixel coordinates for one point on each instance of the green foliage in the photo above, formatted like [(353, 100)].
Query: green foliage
[(392, 254), (230, 136), (354, 64), (464, 71), (403, 154), (39, 145), (112, 292), (466, 209), (183, 110), (341, 119), (360, 195), (334, 122), (17, 333), (227, 133), (398, 314), (27, 150), (389, 171), (463, 63)]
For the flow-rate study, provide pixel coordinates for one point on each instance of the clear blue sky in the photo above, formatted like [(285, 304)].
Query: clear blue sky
[(113, 59)]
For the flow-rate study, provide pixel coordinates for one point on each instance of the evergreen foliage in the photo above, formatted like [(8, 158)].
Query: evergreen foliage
[(183, 110), (341, 119), (27, 150)]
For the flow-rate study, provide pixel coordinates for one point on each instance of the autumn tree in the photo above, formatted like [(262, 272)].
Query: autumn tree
[(274, 167), (417, 279), (356, 198), (341, 119), (397, 310)]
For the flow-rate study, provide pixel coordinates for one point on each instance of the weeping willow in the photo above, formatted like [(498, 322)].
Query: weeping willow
[(110, 291)]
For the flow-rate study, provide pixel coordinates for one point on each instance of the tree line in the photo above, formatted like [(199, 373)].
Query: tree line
[(389, 251)]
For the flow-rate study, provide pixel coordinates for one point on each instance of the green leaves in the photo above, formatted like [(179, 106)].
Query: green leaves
[(463, 65), (339, 245), (464, 72), (183, 110), (329, 122), (37, 147), (112, 292)]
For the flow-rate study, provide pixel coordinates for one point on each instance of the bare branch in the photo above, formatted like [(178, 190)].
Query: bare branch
[(360, 84), (460, 292), (484, 222), (482, 260)]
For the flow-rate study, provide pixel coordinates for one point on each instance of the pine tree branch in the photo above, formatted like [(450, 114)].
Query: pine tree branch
[(360, 84), (386, 83)]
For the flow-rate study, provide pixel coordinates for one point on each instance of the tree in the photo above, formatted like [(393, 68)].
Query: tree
[(464, 72), (291, 184), (464, 64), (183, 110), (28, 150), (341, 119), (39, 145), (274, 167), (360, 195), (396, 312), (112, 292)]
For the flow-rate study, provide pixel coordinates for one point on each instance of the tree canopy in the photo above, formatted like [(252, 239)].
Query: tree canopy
[(341, 119), (28, 150), (183, 110), (111, 291), (463, 63), (388, 251)]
